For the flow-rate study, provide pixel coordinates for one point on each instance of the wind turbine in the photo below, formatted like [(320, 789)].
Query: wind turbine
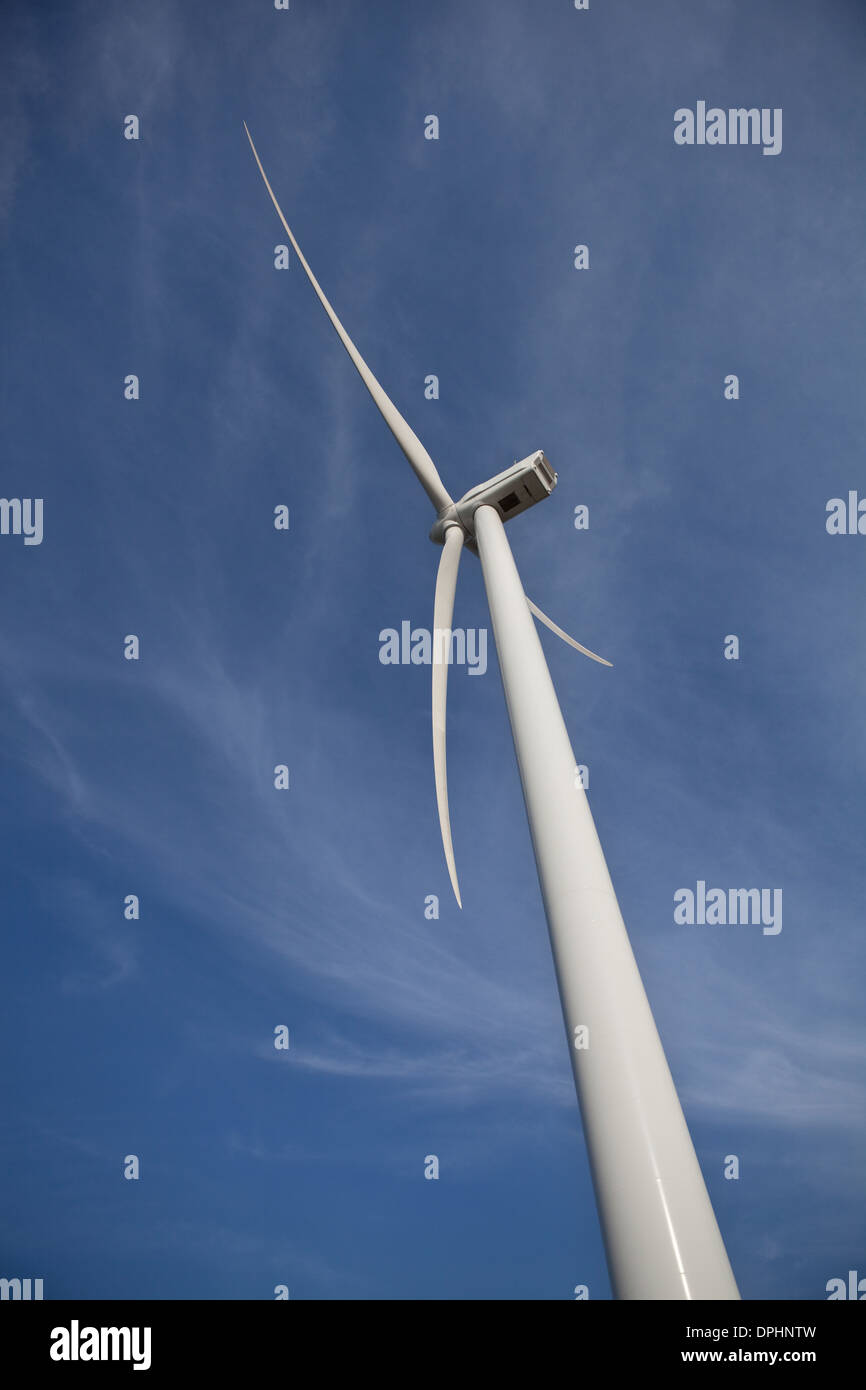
[(660, 1233)]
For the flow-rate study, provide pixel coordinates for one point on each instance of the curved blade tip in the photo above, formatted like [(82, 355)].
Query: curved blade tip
[(578, 646)]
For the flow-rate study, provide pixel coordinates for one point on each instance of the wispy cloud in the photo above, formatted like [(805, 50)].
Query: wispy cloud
[(26, 78)]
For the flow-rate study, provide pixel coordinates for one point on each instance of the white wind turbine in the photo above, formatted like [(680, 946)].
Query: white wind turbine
[(660, 1233)]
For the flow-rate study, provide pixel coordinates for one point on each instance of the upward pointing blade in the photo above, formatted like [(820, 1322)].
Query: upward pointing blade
[(409, 442), (443, 612)]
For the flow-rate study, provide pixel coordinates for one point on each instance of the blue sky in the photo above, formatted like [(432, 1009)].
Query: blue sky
[(412, 1037)]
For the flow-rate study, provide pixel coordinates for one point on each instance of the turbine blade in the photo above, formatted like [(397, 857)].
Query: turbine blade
[(409, 442), (564, 635), (443, 611)]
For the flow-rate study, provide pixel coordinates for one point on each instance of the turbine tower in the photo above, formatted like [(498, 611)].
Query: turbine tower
[(660, 1233)]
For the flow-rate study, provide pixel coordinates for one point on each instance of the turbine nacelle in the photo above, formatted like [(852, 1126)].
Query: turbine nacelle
[(509, 493)]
